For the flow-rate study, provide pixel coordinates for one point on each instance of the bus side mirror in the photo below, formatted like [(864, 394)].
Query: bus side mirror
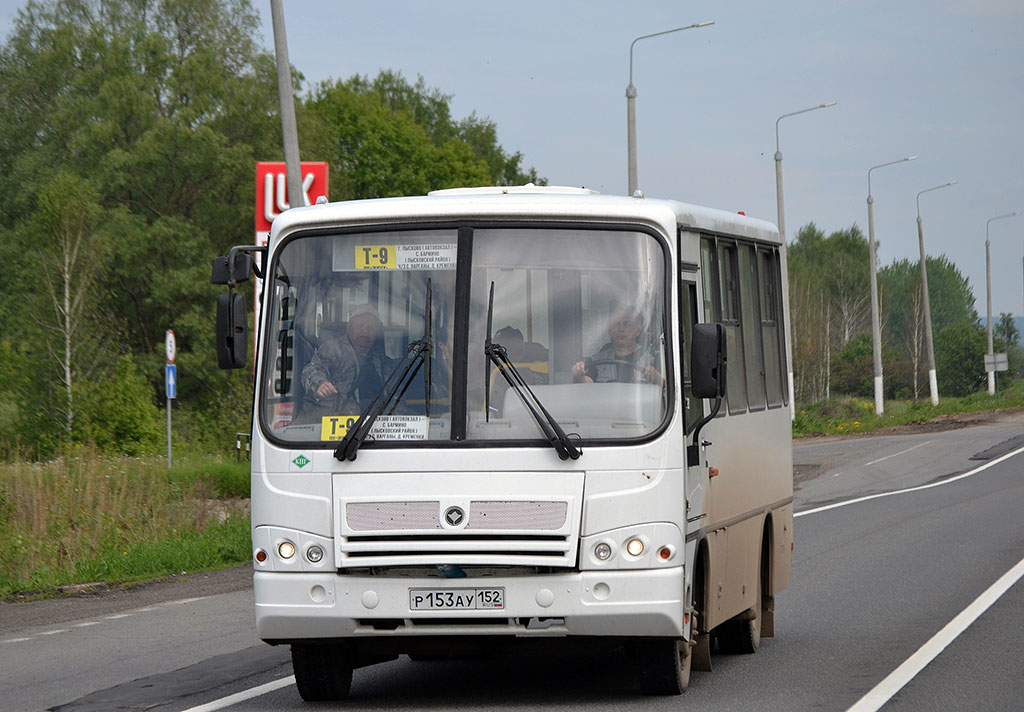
[(222, 272), (232, 330), (707, 360)]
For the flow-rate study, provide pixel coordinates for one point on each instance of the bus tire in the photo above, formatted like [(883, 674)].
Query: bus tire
[(322, 672), (665, 666)]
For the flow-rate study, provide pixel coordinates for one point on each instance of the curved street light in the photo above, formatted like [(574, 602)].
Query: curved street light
[(876, 334), (631, 103), (933, 384), (782, 252)]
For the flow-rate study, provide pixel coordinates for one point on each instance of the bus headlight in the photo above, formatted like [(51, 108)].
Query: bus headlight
[(603, 551), (635, 547), (315, 554), (286, 549)]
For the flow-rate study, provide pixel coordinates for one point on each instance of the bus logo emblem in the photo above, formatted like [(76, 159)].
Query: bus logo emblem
[(454, 516), (301, 461)]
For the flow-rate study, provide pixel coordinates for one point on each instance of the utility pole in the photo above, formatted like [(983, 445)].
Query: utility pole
[(289, 132)]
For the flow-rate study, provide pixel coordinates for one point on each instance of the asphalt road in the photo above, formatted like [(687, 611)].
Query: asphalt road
[(872, 582)]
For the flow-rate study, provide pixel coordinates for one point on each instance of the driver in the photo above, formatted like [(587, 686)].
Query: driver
[(619, 360), (346, 372)]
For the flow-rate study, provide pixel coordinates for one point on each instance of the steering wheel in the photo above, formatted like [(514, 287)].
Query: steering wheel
[(620, 362)]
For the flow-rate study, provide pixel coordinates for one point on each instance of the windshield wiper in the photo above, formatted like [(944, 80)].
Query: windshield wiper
[(393, 390), (496, 354)]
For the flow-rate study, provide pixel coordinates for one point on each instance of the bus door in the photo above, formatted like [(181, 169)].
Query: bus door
[(693, 410)]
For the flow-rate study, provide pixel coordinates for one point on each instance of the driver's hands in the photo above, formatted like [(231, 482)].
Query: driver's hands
[(326, 390), (651, 375), (579, 372)]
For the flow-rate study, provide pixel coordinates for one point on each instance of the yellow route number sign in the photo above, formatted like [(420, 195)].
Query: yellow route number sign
[(334, 427), (376, 257)]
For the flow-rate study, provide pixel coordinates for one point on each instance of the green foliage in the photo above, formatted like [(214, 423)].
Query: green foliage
[(118, 414), (133, 127), (389, 138), (853, 372), (960, 359)]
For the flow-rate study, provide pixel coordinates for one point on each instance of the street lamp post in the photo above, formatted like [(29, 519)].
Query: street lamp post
[(988, 290), (631, 103), (782, 251), (876, 334), (933, 384)]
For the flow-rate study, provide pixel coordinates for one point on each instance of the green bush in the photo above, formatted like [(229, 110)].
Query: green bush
[(117, 414)]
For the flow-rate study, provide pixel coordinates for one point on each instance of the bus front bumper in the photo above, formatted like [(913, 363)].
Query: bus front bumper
[(635, 603)]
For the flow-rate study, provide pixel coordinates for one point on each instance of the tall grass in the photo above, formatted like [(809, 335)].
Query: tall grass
[(842, 415), (84, 518)]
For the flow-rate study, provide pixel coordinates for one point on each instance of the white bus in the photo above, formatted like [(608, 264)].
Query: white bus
[(493, 418)]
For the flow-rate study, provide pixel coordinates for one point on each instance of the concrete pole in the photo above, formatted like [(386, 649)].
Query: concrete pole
[(783, 257), (876, 333), (631, 105), (933, 381), (933, 384), (289, 132), (631, 138)]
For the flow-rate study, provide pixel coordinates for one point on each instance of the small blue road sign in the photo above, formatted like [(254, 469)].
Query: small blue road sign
[(171, 380)]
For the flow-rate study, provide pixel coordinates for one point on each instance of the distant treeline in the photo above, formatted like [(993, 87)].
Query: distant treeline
[(830, 301)]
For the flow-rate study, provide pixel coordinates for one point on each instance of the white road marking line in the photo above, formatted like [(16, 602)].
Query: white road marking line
[(948, 480), (17, 640), (896, 454), (116, 616), (86, 624), (898, 678), (183, 601), (54, 632), (244, 695)]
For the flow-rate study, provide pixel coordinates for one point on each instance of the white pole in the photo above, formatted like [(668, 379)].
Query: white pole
[(631, 106), (784, 259), (876, 333)]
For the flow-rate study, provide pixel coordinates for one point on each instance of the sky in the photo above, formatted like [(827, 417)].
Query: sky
[(943, 81)]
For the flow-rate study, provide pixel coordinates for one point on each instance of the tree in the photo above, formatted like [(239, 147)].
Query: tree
[(63, 229), (829, 302), (959, 358), (387, 137)]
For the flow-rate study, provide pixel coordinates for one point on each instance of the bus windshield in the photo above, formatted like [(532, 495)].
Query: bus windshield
[(579, 312)]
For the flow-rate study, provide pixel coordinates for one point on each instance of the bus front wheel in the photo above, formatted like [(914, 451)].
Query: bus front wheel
[(322, 672), (665, 666)]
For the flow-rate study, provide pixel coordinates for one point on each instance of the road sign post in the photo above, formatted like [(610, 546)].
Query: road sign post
[(170, 384)]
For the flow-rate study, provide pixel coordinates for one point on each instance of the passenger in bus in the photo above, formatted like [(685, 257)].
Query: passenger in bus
[(347, 371), (515, 346), (620, 360)]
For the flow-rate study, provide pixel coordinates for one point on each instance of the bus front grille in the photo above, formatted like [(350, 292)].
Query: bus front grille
[(501, 549)]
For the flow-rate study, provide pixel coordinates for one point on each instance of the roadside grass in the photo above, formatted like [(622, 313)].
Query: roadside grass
[(842, 415), (85, 518)]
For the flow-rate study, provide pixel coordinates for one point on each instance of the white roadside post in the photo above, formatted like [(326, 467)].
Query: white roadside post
[(170, 384)]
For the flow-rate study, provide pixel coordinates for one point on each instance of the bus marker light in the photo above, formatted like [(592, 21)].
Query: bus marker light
[(286, 549), (665, 553), (635, 547), (602, 551), (261, 555)]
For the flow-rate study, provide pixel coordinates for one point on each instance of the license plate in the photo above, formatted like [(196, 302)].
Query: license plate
[(456, 599)]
